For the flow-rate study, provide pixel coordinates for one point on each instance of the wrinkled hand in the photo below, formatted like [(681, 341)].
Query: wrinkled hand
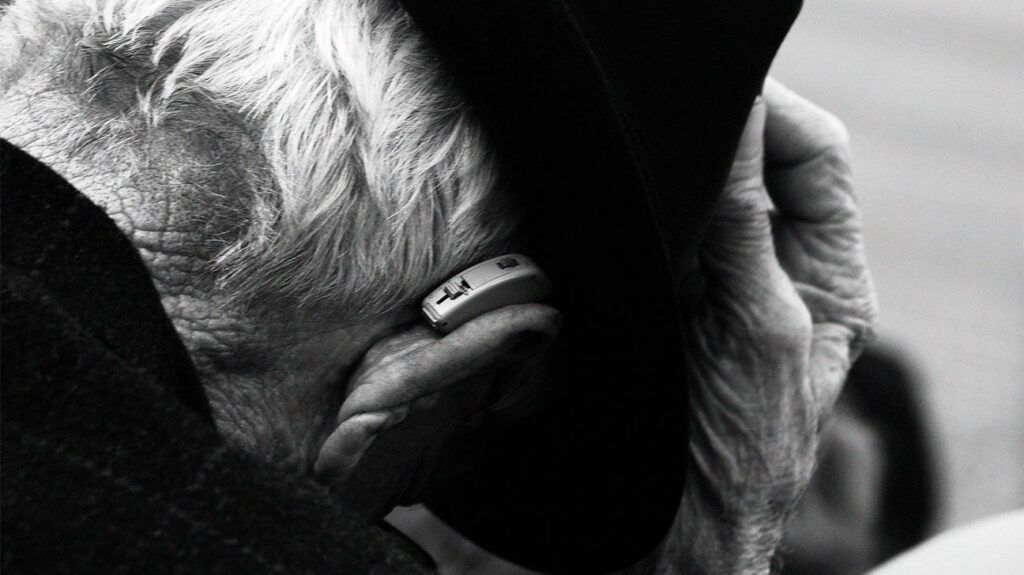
[(789, 303)]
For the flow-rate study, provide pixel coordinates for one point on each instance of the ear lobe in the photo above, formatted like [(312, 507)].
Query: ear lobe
[(346, 445), (413, 373), (476, 348)]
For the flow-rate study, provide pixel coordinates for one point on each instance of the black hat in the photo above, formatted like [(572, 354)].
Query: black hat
[(616, 123)]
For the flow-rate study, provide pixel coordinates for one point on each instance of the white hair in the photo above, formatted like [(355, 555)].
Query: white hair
[(380, 180)]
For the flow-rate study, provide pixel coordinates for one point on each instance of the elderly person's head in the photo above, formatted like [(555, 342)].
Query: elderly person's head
[(295, 175)]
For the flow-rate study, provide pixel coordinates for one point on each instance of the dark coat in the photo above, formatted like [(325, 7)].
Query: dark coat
[(110, 459), (616, 123)]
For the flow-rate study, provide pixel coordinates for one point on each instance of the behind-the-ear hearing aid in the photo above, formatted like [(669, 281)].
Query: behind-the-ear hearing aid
[(497, 282)]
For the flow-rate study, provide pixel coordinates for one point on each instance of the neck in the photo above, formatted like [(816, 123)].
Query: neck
[(274, 379)]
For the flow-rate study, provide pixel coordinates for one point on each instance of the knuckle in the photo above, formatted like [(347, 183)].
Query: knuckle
[(836, 134), (835, 147), (868, 323), (828, 139), (796, 329), (780, 321)]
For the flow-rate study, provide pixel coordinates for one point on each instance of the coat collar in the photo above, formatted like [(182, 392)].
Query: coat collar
[(56, 236)]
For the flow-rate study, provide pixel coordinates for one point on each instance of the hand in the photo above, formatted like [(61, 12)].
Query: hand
[(789, 303)]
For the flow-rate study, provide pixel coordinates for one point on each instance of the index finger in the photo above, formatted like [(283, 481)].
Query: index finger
[(807, 158)]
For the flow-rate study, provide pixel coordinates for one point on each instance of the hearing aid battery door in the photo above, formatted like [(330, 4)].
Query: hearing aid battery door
[(498, 282)]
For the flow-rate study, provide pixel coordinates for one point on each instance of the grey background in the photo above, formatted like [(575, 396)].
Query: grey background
[(933, 94)]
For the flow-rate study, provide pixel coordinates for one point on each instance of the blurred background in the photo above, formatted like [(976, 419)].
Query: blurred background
[(933, 94)]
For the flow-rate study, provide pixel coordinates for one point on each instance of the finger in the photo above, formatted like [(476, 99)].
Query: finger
[(493, 339), (818, 232), (807, 151), (739, 239)]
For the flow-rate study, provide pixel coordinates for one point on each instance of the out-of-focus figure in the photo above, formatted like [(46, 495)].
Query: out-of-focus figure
[(874, 494)]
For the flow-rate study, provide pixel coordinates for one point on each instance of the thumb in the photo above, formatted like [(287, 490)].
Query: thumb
[(739, 239)]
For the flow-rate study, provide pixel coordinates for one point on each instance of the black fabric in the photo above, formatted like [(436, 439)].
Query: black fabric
[(617, 123), (110, 458)]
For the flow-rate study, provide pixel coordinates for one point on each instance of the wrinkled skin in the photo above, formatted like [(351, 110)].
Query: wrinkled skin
[(275, 381), (789, 305), (268, 382)]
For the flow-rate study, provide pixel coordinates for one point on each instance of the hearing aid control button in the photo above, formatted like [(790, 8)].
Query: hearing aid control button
[(453, 292), (506, 263)]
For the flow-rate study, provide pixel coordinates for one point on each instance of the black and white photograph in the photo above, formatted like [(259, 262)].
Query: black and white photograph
[(512, 287)]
